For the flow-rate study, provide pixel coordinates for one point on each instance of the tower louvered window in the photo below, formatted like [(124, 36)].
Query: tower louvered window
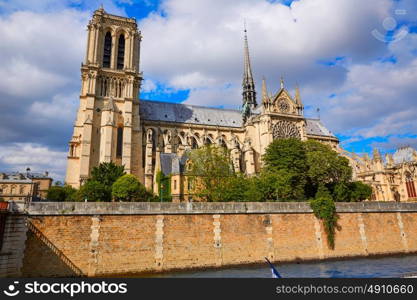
[(119, 146), (411, 189), (121, 52), (107, 50)]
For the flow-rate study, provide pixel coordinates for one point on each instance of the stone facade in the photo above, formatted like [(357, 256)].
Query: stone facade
[(392, 178), (104, 239), (24, 186), (107, 126), (149, 137)]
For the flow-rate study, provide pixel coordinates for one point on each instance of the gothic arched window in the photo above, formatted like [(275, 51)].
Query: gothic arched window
[(222, 143), (207, 141), (409, 183), (194, 144), (121, 52), (107, 50), (119, 146)]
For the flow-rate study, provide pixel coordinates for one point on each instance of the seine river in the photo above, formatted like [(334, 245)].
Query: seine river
[(396, 266)]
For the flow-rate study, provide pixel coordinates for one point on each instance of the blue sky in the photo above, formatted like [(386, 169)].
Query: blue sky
[(355, 60)]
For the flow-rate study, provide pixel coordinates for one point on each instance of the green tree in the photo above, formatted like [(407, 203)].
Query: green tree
[(325, 166), (235, 188), (286, 154), (128, 188), (209, 170), (56, 193), (94, 191), (359, 191), (285, 170), (164, 186), (107, 173), (61, 193)]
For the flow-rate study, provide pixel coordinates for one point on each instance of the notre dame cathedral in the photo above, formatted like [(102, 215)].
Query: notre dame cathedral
[(148, 137)]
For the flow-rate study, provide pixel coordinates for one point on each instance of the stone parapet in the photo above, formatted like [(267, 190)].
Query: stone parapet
[(155, 208)]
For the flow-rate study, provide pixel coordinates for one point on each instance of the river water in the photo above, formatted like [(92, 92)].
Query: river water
[(395, 266)]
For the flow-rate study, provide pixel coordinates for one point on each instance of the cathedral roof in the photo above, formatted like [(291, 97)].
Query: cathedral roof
[(192, 114), (316, 127), (171, 163)]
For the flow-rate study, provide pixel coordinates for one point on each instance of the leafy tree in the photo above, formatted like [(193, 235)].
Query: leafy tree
[(285, 170), (107, 173), (325, 166), (359, 191), (128, 188), (341, 192), (56, 193), (261, 188), (324, 209), (286, 154), (273, 186), (164, 186), (209, 170), (60, 193), (94, 191), (235, 188)]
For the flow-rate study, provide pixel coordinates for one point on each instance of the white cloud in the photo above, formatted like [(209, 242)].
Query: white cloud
[(39, 158), (62, 108)]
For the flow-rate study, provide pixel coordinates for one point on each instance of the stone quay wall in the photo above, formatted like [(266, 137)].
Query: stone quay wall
[(103, 239)]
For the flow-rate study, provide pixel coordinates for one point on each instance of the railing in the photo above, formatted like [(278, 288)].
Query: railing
[(54, 249)]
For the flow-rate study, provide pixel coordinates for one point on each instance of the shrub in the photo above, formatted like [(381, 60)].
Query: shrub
[(128, 188), (94, 191)]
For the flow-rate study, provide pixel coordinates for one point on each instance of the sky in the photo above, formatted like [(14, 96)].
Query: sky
[(355, 60)]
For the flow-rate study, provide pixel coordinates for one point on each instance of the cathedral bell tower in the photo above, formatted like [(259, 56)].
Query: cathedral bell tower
[(107, 125)]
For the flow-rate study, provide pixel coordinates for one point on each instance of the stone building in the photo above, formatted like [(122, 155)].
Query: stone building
[(391, 178), (24, 186), (148, 137)]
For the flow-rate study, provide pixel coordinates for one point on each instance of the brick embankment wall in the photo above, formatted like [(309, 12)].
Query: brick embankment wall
[(99, 239)]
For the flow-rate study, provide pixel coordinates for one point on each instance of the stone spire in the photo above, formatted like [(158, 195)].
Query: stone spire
[(248, 85), (390, 160), (377, 155), (265, 97), (298, 99)]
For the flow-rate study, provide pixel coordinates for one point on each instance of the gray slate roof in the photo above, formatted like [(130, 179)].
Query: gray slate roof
[(171, 163), (19, 176), (192, 114), (316, 127)]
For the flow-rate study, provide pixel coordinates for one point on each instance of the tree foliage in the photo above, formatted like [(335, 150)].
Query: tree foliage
[(94, 191), (107, 173), (164, 186), (128, 188), (324, 209), (209, 170), (359, 191), (60, 193)]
